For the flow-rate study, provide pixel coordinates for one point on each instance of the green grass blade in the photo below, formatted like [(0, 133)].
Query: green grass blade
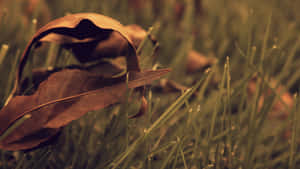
[(15, 126)]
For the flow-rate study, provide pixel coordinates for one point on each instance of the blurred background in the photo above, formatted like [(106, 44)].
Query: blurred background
[(243, 116)]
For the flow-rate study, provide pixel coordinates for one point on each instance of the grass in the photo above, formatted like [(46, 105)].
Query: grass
[(214, 124)]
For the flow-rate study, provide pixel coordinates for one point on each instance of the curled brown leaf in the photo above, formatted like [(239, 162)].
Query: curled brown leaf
[(136, 34), (91, 36), (61, 95)]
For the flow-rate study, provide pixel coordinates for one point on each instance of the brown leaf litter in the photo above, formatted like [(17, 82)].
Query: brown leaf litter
[(62, 95)]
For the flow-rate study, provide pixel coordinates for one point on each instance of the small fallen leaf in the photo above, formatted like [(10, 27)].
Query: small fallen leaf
[(171, 86), (281, 107), (195, 62), (198, 62)]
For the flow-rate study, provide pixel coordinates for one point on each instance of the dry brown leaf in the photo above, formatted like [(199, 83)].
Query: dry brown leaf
[(281, 107), (195, 62), (61, 95), (136, 34), (105, 69), (91, 36), (198, 62), (171, 86), (65, 96)]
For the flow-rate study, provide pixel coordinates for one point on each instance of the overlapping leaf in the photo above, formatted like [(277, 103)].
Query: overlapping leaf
[(90, 36), (65, 96), (62, 95)]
